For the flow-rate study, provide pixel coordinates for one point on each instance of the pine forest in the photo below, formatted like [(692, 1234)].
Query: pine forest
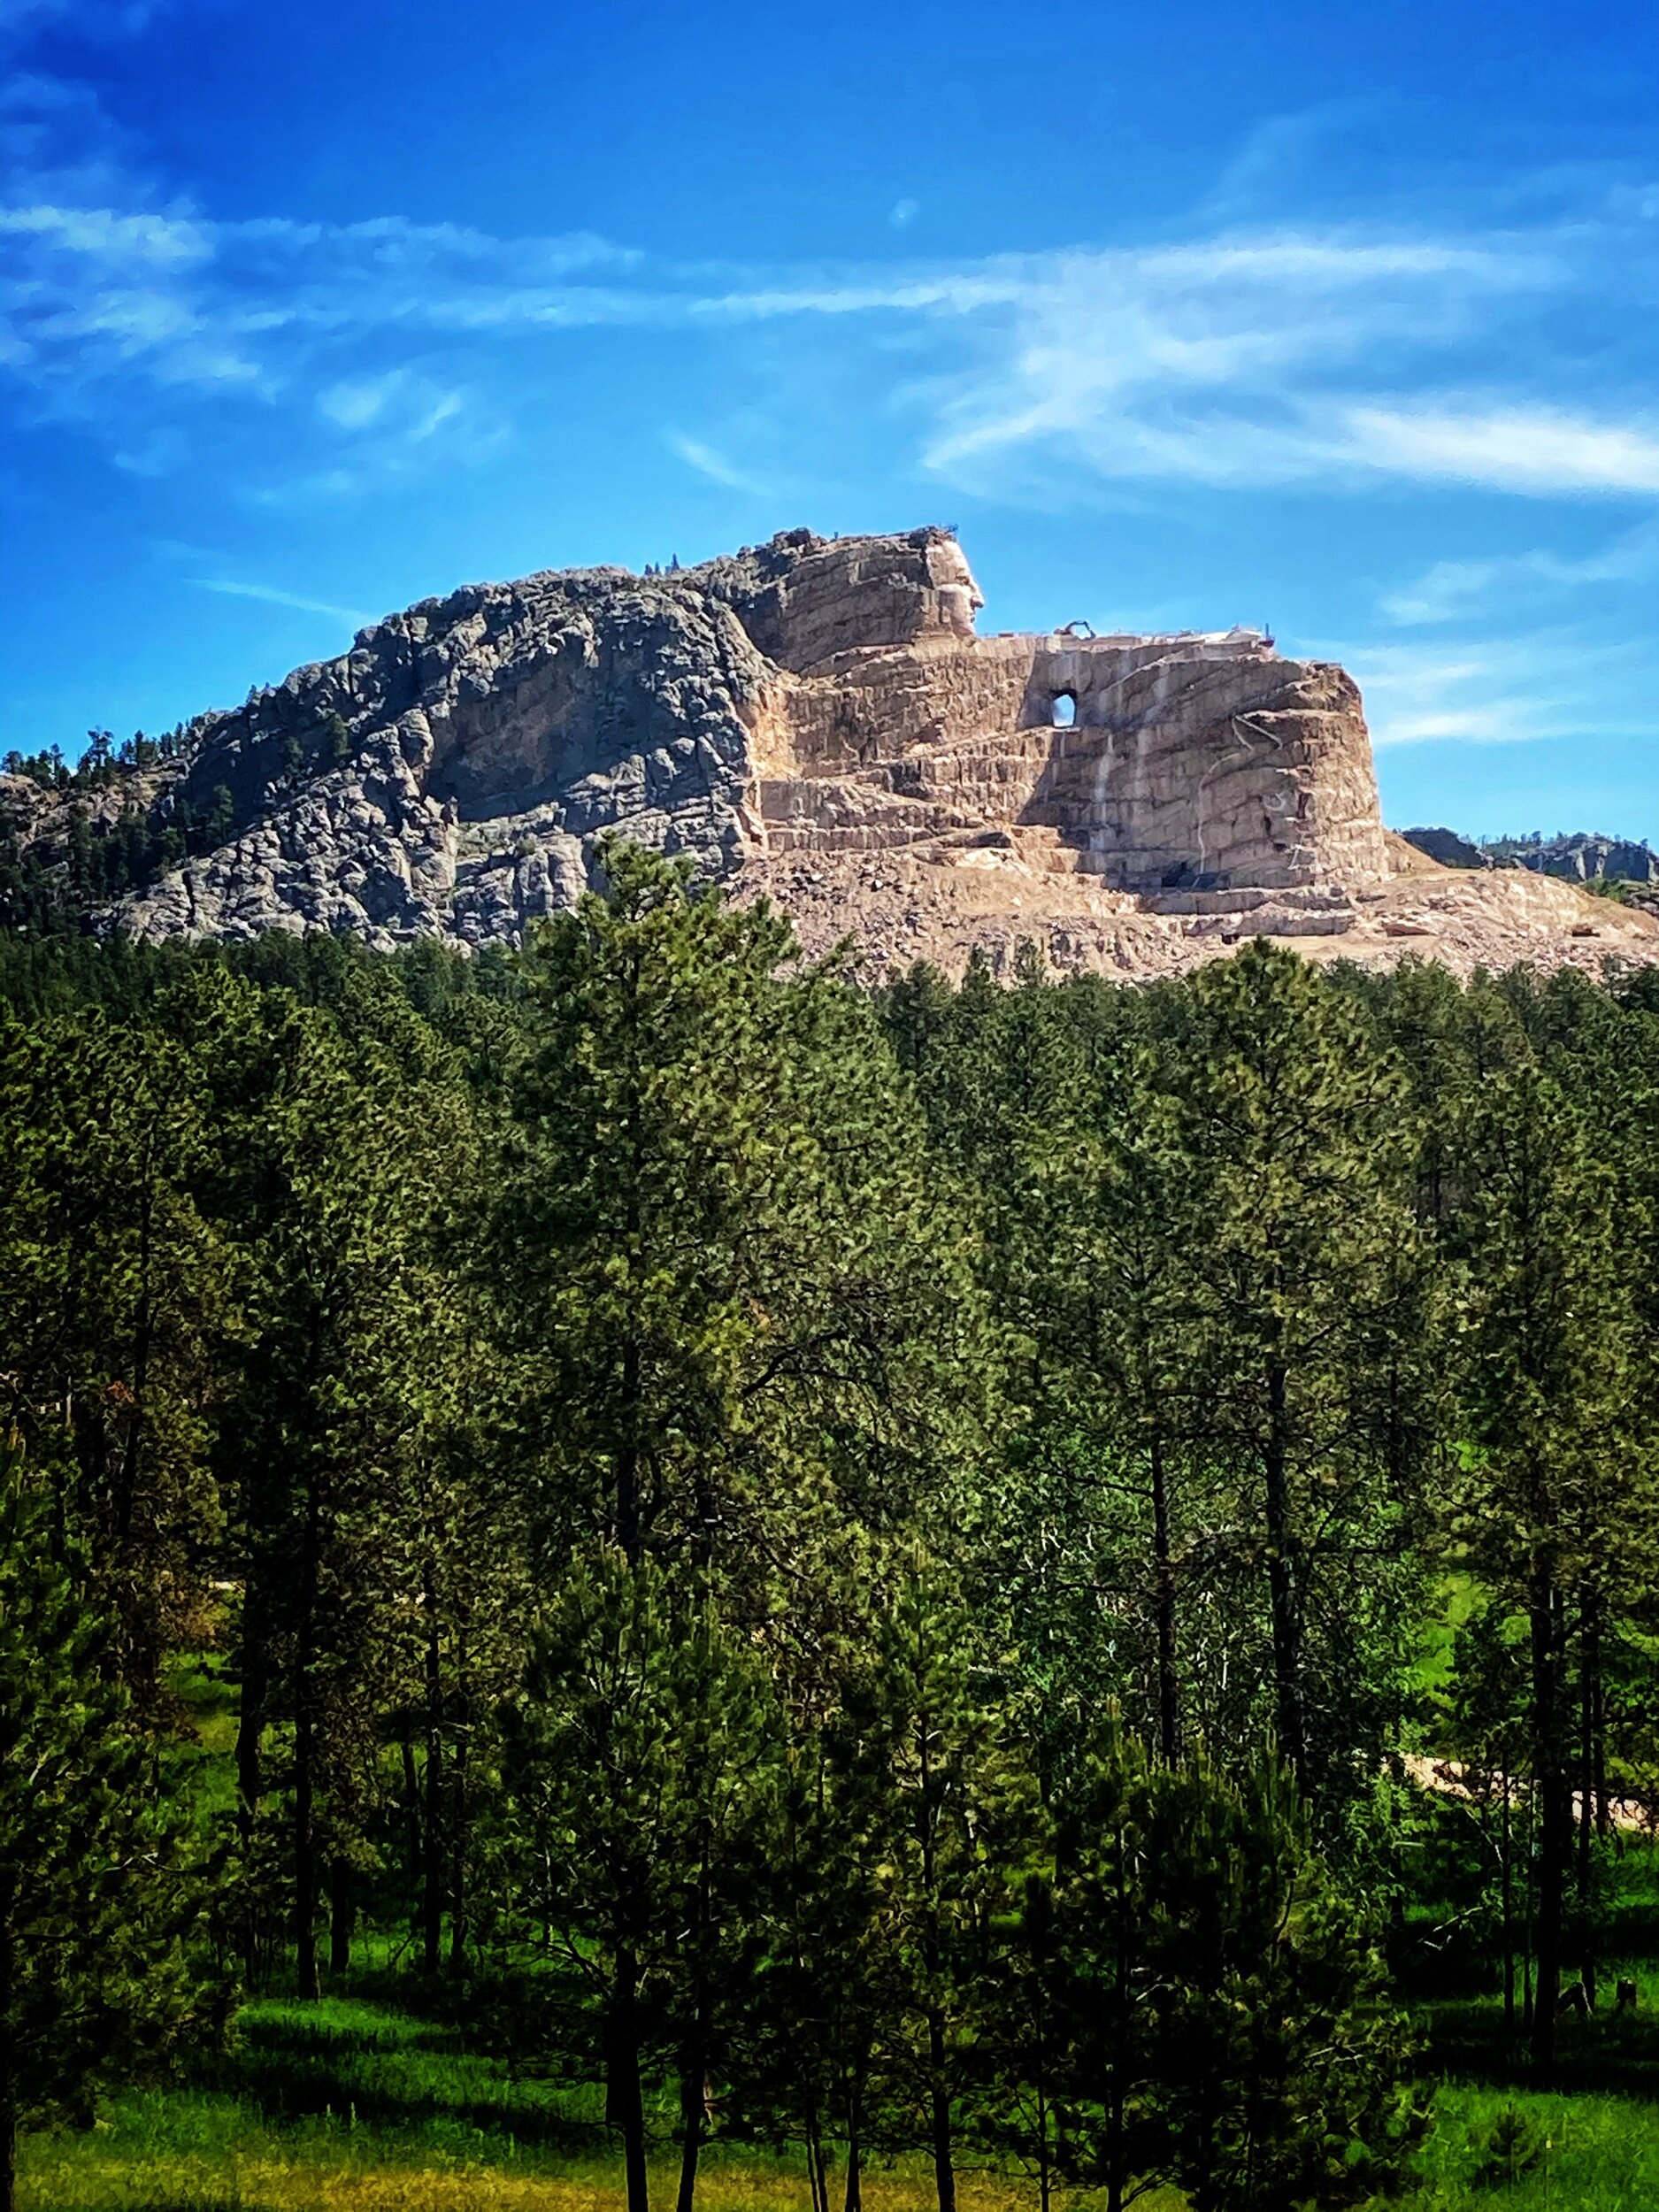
[(636, 1575)]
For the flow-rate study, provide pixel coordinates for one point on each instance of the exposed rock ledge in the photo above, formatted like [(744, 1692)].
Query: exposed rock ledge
[(817, 719)]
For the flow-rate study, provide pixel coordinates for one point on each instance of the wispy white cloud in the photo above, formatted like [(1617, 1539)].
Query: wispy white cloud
[(1504, 685), (1458, 591), (1535, 644), (1251, 362), (1230, 362), (231, 588), (1271, 147), (903, 213), (707, 462), (1509, 449), (20, 20), (1239, 358), (1489, 693), (413, 406), (139, 240)]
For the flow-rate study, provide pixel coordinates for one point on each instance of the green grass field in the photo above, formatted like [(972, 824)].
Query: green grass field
[(349, 2104), (362, 2100)]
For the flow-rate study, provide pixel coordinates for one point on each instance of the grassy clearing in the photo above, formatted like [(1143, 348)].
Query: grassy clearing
[(1578, 2152), (213, 2154), (351, 2104), (360, 2101)]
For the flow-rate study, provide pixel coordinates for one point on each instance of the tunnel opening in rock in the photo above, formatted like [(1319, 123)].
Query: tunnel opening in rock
[(1063, 713)]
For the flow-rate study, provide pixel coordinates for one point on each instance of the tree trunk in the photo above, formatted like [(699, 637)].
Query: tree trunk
[(694, 2111), (817, 2179), (1169, 1705), (939, 2094), (1589, 1734), (625, 2103), (853, 2197), (938, 2100), (250, 1767), (1603, 1808), (412, 1811), (459, 1816), (249, 1790), (694, 2058), (1526, 1919), (8, 2066), (306, 1883), (1040, 1964), (1281, 1576), (342, 1912), (431, 1913), (1554, 1810), (1509, 1913)]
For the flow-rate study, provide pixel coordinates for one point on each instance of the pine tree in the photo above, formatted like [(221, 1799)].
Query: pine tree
[(117, 1311), (639, 1753), (715, 1247), (1548, 1511), (1315, 1352), (820, 2018), (955, 1812), (96, 1897), (1103, 1974), (1280, 2070), (1105, 1492), (346, 1136)]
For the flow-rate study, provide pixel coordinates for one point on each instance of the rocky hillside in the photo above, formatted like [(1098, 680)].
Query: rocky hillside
[(815, 718), (1584, 856)]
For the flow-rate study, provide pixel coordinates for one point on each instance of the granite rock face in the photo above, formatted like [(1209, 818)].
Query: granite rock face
[(450, 774), (817, 720), (1446, 847), (1585, 859)]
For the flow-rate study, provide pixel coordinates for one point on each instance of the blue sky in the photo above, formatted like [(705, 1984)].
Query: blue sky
[(1340, 317)]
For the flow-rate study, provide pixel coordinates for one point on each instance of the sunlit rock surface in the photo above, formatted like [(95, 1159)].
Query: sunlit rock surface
[(819, 718)]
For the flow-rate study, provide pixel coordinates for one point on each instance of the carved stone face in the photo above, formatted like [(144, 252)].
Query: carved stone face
[(960, 598)]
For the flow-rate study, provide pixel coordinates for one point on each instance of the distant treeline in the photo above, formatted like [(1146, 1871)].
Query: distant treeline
[(878, 1558), (116, 824)]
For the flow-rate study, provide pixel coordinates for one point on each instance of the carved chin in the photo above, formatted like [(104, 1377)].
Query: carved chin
[(958, 605)]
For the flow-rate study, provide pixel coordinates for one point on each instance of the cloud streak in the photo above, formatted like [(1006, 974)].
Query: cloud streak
[(228, 587), (1454, 591), (707, 462), (1493, 691), (1510, 448), (1242, 359)]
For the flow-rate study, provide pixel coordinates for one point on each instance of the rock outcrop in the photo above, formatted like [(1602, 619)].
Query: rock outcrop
[(1586, 858), (815, 718), (1581, 857), (450, 773), (1446, 847)]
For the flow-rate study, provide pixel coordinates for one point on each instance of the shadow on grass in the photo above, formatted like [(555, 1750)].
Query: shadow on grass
[(291, 2066), (1611, 2051)]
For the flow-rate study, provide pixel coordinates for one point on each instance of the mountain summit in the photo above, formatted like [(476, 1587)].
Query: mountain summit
[(818, 718)]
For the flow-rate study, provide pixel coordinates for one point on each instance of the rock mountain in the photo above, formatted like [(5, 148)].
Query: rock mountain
[(820, 720)]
